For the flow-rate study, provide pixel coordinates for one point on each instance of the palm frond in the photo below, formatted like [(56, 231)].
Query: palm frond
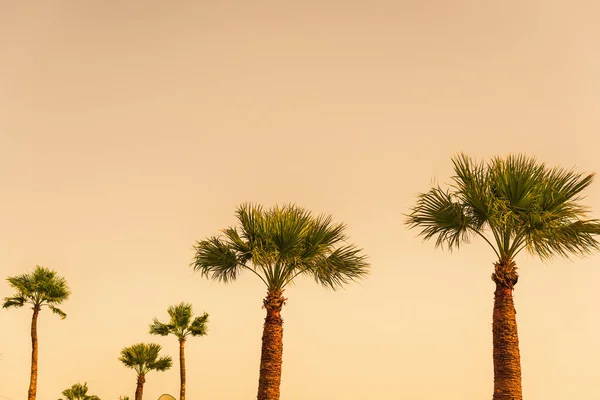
[(342, 266), (437, 214), (515, 179), (162, 364), (57, 311), (181, 315), (215, 259), (250, 217), (323, 235), (564, 239), (471, 188), (287, 227), (565, 185), (22, 284), (16, 301), (158, 328), (237, 244), (199, 325), (130, 355)]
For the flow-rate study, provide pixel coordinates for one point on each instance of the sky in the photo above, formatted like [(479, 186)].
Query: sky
[(131, 129)]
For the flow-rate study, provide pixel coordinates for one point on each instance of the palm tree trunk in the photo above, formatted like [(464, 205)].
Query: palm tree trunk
[(139, 391), (272, 348), (182, 369), (507, 360), (31, 395)]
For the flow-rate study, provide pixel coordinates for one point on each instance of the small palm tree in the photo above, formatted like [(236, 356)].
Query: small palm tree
[(513, 204), (277, 245), (143, 358), (181, 325), (78, 392), (41, 288)]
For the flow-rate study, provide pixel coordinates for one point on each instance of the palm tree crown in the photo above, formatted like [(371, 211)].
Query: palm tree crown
[(41, 288), (143, 358), (181, 324), (523, 204), (279, 244), (78, 392)]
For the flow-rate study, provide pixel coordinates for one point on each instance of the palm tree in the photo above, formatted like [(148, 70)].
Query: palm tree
[(143, 358), (41, 288), (277, 245), (78, 392), (181, 325), (513, 204)]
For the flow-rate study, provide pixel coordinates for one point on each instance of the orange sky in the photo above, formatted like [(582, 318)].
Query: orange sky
[(130, 129)]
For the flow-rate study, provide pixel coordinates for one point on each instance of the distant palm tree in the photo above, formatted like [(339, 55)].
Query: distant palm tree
[(143, 358), (525, 206), (181, 325), (41, 288), (277, 245), (78, 392)]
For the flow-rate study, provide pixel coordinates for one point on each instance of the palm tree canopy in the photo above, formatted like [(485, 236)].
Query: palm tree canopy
[(42, 287), (143, 357), (278, 244), (513, 203), (78, 392), (181, 323)]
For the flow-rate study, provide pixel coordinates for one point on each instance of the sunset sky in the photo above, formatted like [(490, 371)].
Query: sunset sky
[(131, 129)]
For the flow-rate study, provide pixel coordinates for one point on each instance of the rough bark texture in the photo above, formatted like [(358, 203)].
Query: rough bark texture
[(272, 348), (182, 369), (34, 355), (139, 390), (507, 360)]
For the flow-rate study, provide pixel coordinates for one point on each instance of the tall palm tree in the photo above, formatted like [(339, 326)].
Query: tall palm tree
[(143, 358), (513, 204), (181, 325), (78, 392), (277, 245), (42, 287)]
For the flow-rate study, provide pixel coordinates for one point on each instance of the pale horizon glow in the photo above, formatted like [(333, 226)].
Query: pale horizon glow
[(131, 129)]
